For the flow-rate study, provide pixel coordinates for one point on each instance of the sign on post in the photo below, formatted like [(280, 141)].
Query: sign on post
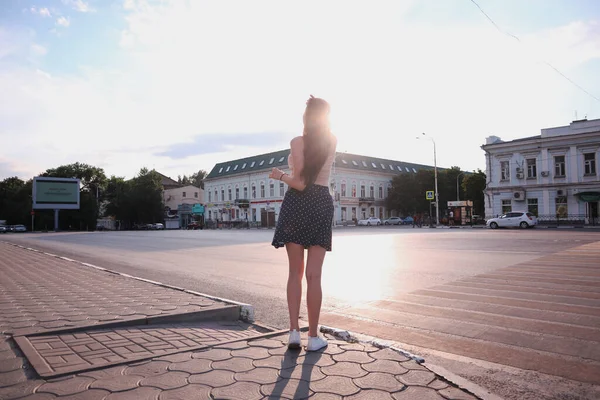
[(429, 195)]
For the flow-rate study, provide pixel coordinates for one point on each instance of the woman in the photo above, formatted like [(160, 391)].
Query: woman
[(306, 216)]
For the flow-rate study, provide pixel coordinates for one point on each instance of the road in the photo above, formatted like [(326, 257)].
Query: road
[(487, 305)]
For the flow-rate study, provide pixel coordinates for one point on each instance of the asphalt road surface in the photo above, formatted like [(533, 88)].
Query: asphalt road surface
[(516, 311)]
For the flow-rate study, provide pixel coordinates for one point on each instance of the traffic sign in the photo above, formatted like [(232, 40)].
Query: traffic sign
[(429, 195)]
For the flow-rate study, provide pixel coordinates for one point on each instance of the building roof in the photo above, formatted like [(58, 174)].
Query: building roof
[(502, 142), (167, 182), (343, 160)]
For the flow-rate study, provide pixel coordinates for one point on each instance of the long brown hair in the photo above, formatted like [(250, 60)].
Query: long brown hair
[(317, 138)]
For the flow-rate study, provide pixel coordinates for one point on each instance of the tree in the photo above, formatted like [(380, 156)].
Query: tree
[(407, 194), (138, 200), (473, 186), (194, 179), (93, 180), (15, 200)]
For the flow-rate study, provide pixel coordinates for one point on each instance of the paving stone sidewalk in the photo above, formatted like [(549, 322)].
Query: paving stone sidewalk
[(44, 293)]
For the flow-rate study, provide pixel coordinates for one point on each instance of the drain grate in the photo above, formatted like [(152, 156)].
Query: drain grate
[(77, 351)]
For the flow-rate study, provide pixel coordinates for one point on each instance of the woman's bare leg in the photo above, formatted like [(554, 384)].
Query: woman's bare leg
[(295, 254), (314, 295)]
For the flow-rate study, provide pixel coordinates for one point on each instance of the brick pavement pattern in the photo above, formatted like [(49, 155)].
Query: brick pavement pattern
[(40, 292), (38, 288), (81, 350)]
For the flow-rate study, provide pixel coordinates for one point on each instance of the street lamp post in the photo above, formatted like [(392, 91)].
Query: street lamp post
[(457, 189), (437, 198)]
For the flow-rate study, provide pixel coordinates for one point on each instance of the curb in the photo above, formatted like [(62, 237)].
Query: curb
[(456, 380), (246, 310)]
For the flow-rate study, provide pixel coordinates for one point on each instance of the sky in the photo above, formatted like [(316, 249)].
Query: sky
[(179, 86)]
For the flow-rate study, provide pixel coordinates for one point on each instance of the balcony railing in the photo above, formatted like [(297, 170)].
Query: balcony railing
[(366, 199)]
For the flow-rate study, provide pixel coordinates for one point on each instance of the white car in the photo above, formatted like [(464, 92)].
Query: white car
[(516, 219), (370, 221), (393, 221), (158, 226)]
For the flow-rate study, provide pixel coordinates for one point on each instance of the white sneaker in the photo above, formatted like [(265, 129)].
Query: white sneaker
[(294, 340), (316, 343)]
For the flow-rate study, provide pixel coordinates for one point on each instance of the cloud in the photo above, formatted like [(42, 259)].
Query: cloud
[(218, 143), (189, 78), (63, 21), (38, 50), (44, 12), (79, 5)]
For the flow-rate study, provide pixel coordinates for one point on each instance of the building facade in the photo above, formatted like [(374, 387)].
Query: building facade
[(553, 175), (174, 197), (241, 189)]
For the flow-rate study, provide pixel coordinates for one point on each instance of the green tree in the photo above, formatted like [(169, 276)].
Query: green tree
[(473, 186), (15, 201), (194, 179), (93, 182), (135, 201)]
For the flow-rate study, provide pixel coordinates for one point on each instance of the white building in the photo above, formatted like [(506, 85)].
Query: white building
[(174, 197), (360, 183), (555, 173)]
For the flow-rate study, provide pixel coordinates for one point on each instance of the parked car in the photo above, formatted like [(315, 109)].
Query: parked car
[(516, 219), (194, 226), (408, 220), (393, 221), (158, 226), (369, 221), (3, 229), (19, 228)]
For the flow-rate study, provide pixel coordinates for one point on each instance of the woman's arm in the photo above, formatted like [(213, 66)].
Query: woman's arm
[(294, 180)]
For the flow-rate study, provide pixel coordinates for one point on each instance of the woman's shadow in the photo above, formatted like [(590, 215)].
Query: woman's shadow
[(289, 364)]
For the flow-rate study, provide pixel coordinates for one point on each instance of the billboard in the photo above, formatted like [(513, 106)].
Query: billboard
[(55, 193)]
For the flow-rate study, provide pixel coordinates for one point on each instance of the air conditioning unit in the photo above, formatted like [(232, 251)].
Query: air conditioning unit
[(520, 175), (519, 195), (519, 170), (545, 173), (560, 192)]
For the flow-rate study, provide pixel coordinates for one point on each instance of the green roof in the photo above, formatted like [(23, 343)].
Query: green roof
[(343, 160)]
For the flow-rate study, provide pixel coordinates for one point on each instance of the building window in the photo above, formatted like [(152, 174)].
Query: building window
[(281, 189), (504, 171), (261, 163), (381, 192), (271, 190), (183, 194), (372, 191), (362, 191), (229, 193), (237, 193), (209, 196), (222, 195), (216, 196), (228, 167), (244, 166), (532, 206), (196, 194), (343, 194), (589, 164), (559, 166), (343, 213), (209, 212), (372, 212), (561, 206), (531, 168), (506, 206), (235, 168), (353, 213), (262, 190), (252, 165), (245, 192), (253, 191), (354, 190)]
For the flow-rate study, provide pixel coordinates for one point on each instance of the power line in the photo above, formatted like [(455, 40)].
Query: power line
[(545, 62)]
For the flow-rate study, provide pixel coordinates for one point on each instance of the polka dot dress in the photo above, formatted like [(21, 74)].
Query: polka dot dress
[(305, 218)]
